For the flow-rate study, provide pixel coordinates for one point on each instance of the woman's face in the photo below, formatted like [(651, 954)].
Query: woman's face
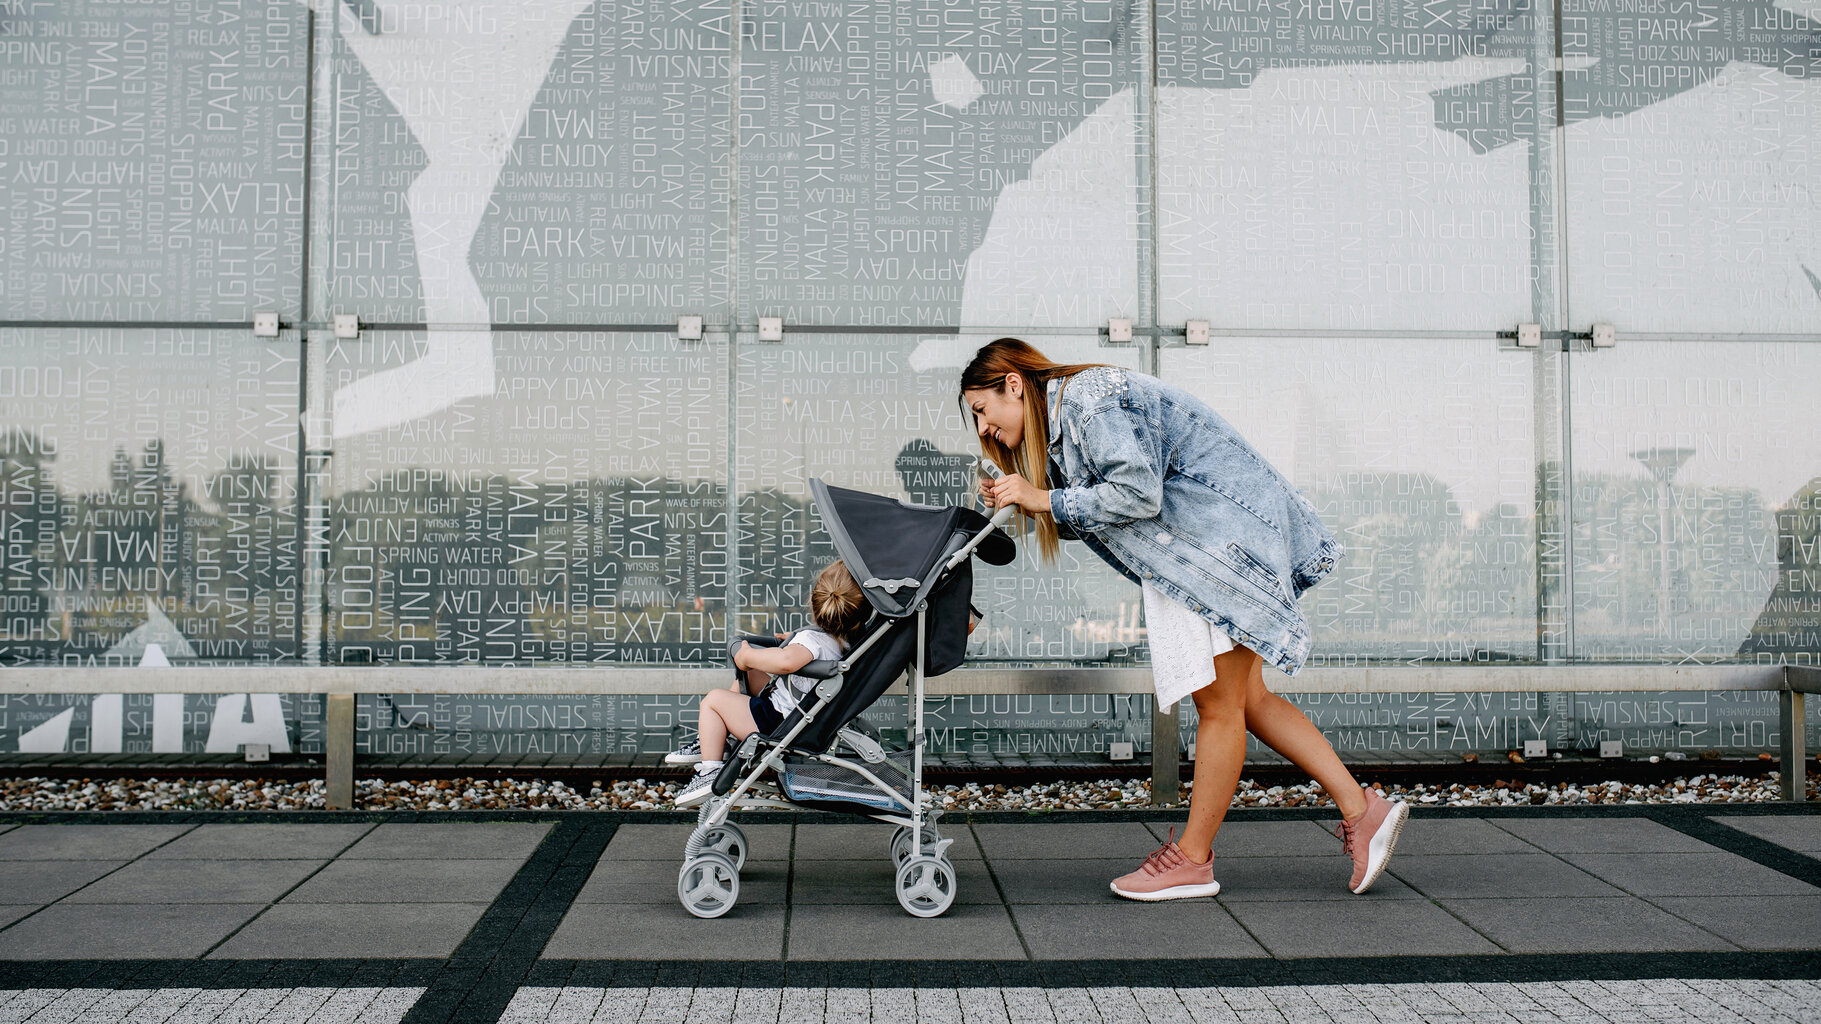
[(999, 414)]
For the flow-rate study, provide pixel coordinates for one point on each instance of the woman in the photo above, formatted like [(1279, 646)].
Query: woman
[(1164, 490)]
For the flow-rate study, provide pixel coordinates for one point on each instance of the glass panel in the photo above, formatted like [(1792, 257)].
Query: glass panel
[(506, 162), (154, 161), (41, 726), (1691, 168), (1429, 492), (1349, 166), (149, 481), (879, 413), (577, 514), (1697, 496), (972, 164)]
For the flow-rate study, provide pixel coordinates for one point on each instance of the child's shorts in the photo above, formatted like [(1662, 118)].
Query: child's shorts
[(766, 717)]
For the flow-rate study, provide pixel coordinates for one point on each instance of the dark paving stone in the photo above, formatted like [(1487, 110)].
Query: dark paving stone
[(1298, 928), (45, 881), (1061, 881), (665, 842), (1124, 930), (1261, 838), (660, 931), (85, 842), (122, 932), (261, 842), (9, 914), (1450, 836), (1603, 925), (315, 931), (1714, 873), (1127, 840), (198, 881), (1480, 876), (1799, 833), (655, 881), (864, 842), (467, 840), (414, 881), (1299, 878), (876, 881), (1754, 922), (1601, 835), (879, 932)]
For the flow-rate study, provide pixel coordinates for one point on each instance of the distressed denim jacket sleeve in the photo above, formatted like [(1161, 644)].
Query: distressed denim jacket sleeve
[(1126, 461)]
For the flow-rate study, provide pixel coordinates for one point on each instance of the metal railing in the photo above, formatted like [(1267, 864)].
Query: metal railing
[(340, 684)]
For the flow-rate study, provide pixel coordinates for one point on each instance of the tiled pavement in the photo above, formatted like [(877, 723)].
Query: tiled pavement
[(575, 917)]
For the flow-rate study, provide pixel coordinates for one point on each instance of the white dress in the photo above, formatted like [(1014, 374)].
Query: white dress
[(1183, 646)]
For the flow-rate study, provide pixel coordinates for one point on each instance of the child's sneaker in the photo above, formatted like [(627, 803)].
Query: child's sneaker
[(688, 753), (1370, 840), (1168, 874), (700, 785)]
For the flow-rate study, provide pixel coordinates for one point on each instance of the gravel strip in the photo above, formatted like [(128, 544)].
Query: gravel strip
[(183, 794)]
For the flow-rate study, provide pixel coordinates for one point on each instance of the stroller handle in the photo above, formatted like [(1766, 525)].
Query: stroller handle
[(999, 520)]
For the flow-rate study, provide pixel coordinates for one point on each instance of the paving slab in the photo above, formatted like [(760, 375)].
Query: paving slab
[(261, 842), (1259, 838), (1127, 840), (11, 913), (1714, 873), (198, 881), (1061, 881), (1754, 922), (1600, 835), (312, 931), (1300, 878), (878, 932), (655, 881), (45, 881), (1298, 928), (875, 881), (466, 841), (861, 842), (1124, 930), (1801, 834), (1423, 837), (665, 842), (1623, 924), (655, 931), (68, 931), (415, 881), (1478, 875), (85, 842)]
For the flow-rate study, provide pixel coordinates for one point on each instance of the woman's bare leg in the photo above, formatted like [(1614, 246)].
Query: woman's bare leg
[(723, 712), (1279, 725), (1220, 749)]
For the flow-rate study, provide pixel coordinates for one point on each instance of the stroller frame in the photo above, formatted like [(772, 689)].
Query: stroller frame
[(708, 883)]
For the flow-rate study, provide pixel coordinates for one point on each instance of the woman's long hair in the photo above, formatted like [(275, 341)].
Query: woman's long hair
[(988, 370)]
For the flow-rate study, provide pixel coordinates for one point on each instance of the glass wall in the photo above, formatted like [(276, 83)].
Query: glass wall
[(517, 460)]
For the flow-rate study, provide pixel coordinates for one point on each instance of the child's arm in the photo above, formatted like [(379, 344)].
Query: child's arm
[(777, 661)]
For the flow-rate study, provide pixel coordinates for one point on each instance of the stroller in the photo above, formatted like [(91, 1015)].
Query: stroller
[(914, 563)]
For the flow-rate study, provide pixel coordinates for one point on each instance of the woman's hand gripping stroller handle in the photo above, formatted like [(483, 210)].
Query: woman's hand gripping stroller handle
[(998, 521)]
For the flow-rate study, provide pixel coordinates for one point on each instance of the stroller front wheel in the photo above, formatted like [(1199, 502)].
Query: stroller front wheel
[(708, 885), (903, 847), (926, 886)]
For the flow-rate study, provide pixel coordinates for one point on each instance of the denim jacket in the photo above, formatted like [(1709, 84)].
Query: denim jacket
[(1167, 492)]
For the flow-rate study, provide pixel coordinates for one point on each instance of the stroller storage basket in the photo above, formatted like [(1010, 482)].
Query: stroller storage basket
[(812, 782)]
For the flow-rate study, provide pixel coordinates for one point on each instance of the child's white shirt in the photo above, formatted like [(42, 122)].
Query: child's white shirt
[(821, 647)]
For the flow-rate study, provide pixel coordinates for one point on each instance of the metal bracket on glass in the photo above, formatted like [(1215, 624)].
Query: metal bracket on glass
[(1119, 330), (1532, 338), (689, 328), (1195, 332), (771, 328), (265, 325), (347, 326)]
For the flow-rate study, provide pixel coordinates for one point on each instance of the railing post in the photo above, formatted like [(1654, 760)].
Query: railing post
[(1793, 723), (1166, 768), (338, 751)]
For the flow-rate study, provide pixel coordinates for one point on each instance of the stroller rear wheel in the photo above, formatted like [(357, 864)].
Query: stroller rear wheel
[(926, 886), (709, 884)]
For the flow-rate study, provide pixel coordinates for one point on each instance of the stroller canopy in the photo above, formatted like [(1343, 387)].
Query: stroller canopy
[(893, 547)]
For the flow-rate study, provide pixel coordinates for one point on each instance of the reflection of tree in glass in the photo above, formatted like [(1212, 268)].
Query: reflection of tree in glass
[(1789, 627)]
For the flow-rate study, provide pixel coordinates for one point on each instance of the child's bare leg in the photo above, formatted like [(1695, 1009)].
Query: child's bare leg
[(723, 712), (756, 681)]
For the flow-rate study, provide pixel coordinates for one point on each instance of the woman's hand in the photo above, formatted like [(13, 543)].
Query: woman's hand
[(1013, 489)]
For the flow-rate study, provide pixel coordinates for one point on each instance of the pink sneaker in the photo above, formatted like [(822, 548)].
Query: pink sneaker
[(1370, 840), (1168, 874)]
